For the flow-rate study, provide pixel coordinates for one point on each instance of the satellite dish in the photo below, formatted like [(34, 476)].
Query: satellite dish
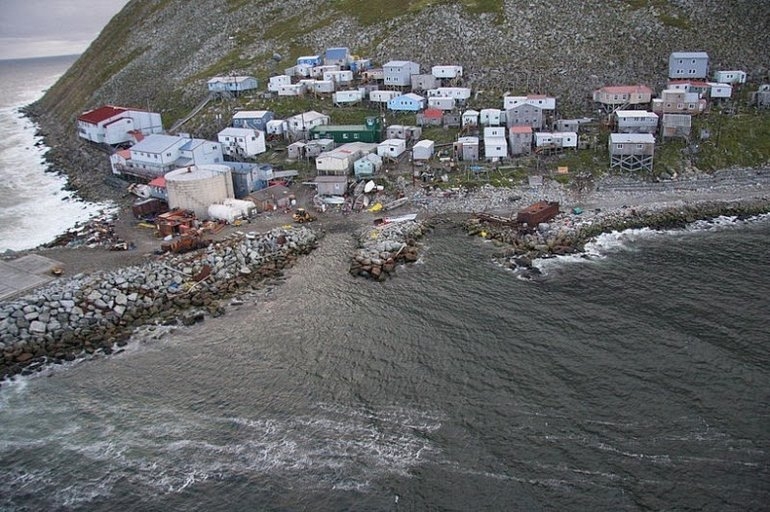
[(369, 186)]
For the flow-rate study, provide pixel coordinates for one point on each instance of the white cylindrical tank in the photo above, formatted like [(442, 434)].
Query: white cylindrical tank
[(198, 186)]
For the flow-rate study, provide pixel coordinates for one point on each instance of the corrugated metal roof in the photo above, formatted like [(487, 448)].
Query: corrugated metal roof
[(689, 55), (100, 114), (156, 143), (160, 181), (626, 89), (632, 138), (521, 129)]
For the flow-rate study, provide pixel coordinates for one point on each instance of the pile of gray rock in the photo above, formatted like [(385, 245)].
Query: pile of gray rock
[(93, 312), (383, 247)]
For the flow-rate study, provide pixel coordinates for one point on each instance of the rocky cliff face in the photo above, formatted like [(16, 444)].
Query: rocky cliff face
[(159, 53)]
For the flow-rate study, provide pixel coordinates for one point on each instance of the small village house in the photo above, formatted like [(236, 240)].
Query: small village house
[(461, 94), (467, 148), (341, 77), (303, 123), (369, 131), (401, 131), (699, 87), (383, 96), (571, 125), (249, 177), (339, 161), (687, 65), (360, 65), (315, 147), (276, 127), (632, 151), (520, 140), (158, 188), (231, 84), (350, 97), (676, 125), (555, 141), (536, 100), (398, 73), (301, 71), (391, 148), (242, 142), (157, 154), (441, 103), (423, 150), (635, 121), (367, 166), (318, 71), (673, 101), (331, 185), (337, 56), (423, 82), (449, 72), (310, 60), (430, 117), (720, 91), (613, 97), (452, 119), (408, 102), (470, 118), (373, 75), (296, 150), (524, 113), (761, 97), (275, 83), (495, 144), (319, 86), (254, 119), (291, 90), (114, 125), (272, 198), (491, 117), (196, 187), (729, 77)]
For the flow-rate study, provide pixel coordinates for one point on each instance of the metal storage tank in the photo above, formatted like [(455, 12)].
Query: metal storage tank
[(198, 186)]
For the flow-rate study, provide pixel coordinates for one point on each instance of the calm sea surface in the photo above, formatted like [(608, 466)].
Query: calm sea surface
[(34, 208), (638, 380)]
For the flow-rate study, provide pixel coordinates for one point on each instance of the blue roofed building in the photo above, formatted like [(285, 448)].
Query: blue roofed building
[(339, 56), (408, 102), (309, 60)]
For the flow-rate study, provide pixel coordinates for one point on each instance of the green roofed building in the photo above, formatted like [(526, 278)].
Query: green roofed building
[(368, 132)]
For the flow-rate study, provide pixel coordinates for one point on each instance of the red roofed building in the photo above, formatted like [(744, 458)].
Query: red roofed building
[(158, 188), (623, 96), (113, 125), (520, 139)]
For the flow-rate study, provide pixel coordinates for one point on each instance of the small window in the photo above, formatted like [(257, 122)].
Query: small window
[(619, 146), (639, 146)]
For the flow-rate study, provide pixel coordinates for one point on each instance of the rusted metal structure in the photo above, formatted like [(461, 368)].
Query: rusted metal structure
[(542, 211)]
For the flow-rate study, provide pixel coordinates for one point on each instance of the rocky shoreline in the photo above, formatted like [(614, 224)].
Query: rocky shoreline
[(96, 312)]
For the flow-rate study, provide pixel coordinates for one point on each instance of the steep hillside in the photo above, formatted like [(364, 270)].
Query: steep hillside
[(159, 53)]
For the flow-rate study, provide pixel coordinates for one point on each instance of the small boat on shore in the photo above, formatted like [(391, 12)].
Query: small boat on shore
[(392, 220)]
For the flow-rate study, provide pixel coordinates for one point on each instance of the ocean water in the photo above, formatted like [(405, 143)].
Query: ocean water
[(636, 378), (34, 208)]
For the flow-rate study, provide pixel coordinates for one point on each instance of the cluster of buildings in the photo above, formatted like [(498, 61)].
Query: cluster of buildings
[(191, 173)]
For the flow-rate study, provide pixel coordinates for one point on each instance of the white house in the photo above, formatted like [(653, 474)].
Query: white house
[(242, 142), (399, 72), (423, 150), (347, 97), (383, 96), (458, 93), (301, 70), (495, 148), (447, 71), (233, 84), (115, 125), (470, 118), (490, 116), (275, 82), (254, 119), (321, 86), (687, 65), (720, 90), (730, 77), (157, 154), (536, 100), (305, 121), (556, 140), (342, 77), (335, 162), (392, 148), (318, 71), (636, 121), (291, 90), (276, 127), (441, 103)]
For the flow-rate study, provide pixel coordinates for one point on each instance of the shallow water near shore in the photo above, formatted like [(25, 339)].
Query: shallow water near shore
[(638, 381)]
